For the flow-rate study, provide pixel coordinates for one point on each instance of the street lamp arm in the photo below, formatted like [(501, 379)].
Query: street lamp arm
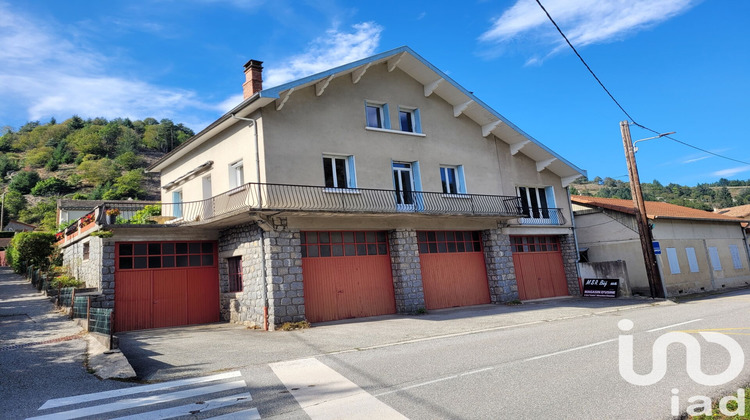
[(655, 137)]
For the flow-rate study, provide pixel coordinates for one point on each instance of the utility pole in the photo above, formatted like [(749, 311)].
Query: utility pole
[(644, 231)]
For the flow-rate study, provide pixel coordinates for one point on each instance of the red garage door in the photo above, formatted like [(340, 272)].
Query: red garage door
[(539, 267), (165, 284), (346, 275), (453, 269)]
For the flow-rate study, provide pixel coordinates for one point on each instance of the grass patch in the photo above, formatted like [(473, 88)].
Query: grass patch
[(731, 406), (291, 326), (514, 302)]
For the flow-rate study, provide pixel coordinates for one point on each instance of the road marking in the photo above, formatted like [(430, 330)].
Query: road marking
[(251, 414), (190, 409), (569, 350), (446, 378), (141, 402), (61, 402), (675, 325), (326, 394)]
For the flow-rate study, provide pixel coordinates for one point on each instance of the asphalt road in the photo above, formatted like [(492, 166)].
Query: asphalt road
[(556, 359)]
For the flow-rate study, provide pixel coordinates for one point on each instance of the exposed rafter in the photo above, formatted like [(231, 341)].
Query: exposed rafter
[(516, 147), (358, 73), (460, 108), (320, 87), (281, 101), (393, 62), (540, 166), (487, 128), (430, 87), (569, 179)]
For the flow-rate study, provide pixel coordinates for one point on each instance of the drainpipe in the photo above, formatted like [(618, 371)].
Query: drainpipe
[(575, 239), (264, 290)]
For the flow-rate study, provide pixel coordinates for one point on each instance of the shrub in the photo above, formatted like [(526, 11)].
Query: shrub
[(64, 280), (31, 248), (24, 181), (142, 217), (50, 186)]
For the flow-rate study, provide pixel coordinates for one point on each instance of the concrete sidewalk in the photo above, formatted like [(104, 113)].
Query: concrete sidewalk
[(29, 321), (169, 353)]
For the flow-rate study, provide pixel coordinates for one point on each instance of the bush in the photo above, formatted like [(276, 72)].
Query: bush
[(65, 280), (31, 248), (24, 181), (142, 217), (50, 186)]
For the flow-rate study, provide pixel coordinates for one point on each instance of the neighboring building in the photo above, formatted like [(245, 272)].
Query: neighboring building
[(740, 212), (376, 187), (700, 251), (16, 226)]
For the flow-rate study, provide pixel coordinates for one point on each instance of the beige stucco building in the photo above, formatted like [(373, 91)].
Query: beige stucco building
[(379, 186), (699, 250)]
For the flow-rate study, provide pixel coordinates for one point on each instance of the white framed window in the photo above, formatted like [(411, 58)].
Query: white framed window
[(692, 260), (338, 171), (674, 264), (452, 179), (538, 202), (408, 119), (713, 254), (736, 261), (236, 174), (376, 115)]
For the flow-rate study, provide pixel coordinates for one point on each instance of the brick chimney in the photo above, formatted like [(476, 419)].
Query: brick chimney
[(253, 78)]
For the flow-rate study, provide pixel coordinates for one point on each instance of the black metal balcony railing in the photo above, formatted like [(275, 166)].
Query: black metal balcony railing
[(302, 198)]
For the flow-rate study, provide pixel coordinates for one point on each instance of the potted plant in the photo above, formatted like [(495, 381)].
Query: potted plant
[(112, 215)]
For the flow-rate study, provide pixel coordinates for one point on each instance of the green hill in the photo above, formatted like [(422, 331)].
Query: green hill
[(81, 159)]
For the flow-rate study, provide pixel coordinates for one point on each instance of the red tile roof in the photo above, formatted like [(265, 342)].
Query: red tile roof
[(738, 211), (654, 209)]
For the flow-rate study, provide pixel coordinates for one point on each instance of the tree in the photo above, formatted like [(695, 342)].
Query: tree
[(50, 186), (129, 160), (43, 214), (98, 171), (88, 141), (24, 181), (724, 198), (129, 185), (15, 202), (39, 157), (7, 165)]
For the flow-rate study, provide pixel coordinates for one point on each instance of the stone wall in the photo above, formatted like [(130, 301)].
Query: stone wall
[(570, 263), (501, 273), (283, 265), (98, 271), (407, 272)]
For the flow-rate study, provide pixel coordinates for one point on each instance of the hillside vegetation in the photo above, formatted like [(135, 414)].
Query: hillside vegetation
[(717, 195), (80, 159)]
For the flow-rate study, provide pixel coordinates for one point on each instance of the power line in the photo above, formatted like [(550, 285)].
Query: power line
[(618, 103)]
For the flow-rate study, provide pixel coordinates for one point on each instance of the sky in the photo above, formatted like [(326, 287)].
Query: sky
[(673, 65)]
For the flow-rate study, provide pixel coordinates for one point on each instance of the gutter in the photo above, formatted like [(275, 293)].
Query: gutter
[(264, 290)]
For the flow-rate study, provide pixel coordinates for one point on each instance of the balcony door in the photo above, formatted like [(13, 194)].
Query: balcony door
[(403, 181)]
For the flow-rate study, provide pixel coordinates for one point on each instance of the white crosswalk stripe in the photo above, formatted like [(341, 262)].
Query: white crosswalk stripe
[(163, 393)]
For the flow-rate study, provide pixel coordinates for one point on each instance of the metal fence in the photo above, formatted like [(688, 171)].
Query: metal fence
[(100, 320), (65, 297), (278, 197), (544, 216), (80, 307)]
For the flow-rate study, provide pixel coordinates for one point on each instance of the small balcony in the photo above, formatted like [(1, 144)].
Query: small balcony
[(543, 217)]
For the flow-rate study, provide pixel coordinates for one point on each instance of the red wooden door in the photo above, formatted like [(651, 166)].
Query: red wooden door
[(539, 267), (346, 275), (165, 284), (453, 269)]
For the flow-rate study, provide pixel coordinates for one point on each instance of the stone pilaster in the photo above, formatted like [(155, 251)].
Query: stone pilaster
[(286, 296), (501, 273), (570, 263), (407, 273)]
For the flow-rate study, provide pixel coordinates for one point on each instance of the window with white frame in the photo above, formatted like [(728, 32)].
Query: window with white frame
[(377, 115), (236, 174), (409, 120), (452, 179), (537, 202), (338, 171)]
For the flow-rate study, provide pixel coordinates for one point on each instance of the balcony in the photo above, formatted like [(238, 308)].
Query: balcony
[(543, 217)]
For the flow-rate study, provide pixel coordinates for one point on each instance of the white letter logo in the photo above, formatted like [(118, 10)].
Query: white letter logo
[(692, 362)]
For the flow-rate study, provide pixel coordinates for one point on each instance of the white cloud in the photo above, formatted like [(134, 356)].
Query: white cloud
[(696, 159), (732, 171), (46, 74), (333, 49), (584, 22)]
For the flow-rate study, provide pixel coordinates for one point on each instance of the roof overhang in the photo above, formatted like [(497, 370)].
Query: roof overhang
[(435, 82)]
